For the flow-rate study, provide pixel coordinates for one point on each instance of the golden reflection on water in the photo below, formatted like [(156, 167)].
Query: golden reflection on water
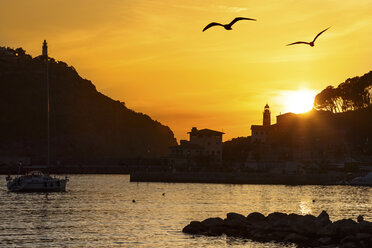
[(97, 211), (305, 207)]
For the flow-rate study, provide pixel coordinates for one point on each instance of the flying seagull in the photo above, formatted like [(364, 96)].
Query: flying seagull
[(309, 43), (227, 26)]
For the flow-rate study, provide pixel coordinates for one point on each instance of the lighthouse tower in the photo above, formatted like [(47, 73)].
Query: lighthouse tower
[(266, 116), (45, 49)]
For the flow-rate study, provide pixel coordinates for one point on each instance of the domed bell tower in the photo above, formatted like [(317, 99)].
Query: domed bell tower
[(266, 116)]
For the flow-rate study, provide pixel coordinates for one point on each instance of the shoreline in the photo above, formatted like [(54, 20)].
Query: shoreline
[(323, 179), (239, 178), (70, 169)]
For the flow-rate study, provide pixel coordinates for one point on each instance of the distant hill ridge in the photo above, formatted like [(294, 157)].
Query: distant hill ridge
[(86, 126)]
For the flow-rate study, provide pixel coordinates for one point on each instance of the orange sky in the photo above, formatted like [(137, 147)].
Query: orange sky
[(154, 56)]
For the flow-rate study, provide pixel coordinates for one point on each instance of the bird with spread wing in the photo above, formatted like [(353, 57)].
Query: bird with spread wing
[(308, 43), (227, 26)]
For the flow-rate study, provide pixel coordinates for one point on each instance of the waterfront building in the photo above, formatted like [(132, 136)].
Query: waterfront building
[(209, 140), (203, 145)]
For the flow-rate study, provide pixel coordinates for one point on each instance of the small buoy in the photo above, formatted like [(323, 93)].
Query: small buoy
[(133, 201)]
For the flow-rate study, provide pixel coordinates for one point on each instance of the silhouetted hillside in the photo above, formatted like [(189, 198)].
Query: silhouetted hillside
[(86, 126)]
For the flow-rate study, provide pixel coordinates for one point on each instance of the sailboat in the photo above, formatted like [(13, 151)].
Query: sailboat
[(35, 180)]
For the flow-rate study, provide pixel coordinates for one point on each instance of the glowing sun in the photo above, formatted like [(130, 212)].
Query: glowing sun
[(299, 101)]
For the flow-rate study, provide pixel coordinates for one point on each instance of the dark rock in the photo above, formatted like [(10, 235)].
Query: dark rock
[(263, 226), (215, 226), (323, 219), (365, 243), (236, 218), (235, 223), (348, 239), (213, 222), (304, 224), (360, 236), (215, 230), (195, 227), (325, 240), (339, 228), (325, 246), (234, 232), (296, 238), (282, 226), (294, 217), (273, 217), (255, 217), (365, 227), (278, 236), (350, 245), (360, 218), (328, 230), (305, 231), (259, 235), (323, 214), (346, 226)]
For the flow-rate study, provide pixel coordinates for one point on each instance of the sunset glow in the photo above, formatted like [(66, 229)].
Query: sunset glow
[(153, 55), (300, 101)]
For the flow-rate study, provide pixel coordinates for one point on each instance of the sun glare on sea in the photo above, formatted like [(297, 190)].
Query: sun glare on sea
[(299, 101)]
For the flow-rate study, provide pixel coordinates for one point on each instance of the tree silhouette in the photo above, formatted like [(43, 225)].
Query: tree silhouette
[(353, 94)]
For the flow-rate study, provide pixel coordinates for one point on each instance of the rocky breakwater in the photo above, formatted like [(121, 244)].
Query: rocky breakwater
[(303, 230)]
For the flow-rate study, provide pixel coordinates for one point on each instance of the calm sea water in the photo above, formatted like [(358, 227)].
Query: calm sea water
[(97, 211)]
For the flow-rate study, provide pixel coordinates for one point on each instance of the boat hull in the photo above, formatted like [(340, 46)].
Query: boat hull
[(54, 185)]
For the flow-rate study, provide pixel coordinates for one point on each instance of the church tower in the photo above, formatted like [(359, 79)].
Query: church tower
[(45, 49), (266, 116)]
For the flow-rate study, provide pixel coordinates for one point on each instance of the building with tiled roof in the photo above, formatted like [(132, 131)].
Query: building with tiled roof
[(203, 143)]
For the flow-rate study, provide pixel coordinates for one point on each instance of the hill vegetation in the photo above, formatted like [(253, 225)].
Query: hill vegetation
[(353, 94), (86, 126)]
